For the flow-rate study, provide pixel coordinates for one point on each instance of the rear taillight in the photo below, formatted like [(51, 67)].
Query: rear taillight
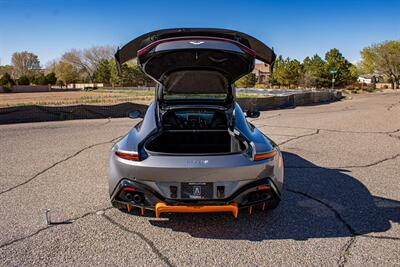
[(134, 156), (262, 187), (128, 188), (268, 155)]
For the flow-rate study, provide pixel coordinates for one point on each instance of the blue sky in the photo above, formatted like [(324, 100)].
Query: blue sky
[(294, 28)]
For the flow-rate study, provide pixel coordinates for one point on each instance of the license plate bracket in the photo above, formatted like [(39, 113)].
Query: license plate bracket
[(197, 190)]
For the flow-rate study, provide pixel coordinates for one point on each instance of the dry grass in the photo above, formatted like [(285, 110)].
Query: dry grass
[(97, 97)]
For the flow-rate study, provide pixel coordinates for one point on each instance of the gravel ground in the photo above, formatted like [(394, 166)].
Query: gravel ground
[(341, 201)]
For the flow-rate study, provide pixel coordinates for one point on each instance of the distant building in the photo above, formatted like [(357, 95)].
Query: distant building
[(369, 78), (262, 72), (84, 85)]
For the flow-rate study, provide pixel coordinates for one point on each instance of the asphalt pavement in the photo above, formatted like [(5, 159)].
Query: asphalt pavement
[(341, 198)]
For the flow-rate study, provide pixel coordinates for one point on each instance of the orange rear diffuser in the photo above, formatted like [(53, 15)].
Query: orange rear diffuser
[(162, 207)]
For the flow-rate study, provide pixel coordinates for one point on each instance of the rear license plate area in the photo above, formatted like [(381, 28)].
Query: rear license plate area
[(197, 190)]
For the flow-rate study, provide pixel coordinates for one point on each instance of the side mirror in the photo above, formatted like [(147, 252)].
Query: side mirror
[(253, 114), (135, 114)]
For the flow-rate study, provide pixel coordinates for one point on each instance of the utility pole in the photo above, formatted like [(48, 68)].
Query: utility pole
[(333, 72)]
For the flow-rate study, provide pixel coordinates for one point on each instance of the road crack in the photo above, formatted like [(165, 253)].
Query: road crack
[(57, 163), (391, 106), (55, 224), (150, 243), (298, 137), (345, 250), (382, 237)]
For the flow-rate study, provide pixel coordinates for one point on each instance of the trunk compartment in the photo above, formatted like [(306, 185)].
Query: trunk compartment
[(194, 142), (194, 132)]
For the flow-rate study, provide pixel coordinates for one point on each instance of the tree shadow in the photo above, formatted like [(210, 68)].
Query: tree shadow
[(317, 202)]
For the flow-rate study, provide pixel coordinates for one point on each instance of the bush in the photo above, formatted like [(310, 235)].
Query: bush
[(60, 83), (51, 78), (7, 88), (262, 86), (6, 80), (39, 80), (247, 81), (23, 80)]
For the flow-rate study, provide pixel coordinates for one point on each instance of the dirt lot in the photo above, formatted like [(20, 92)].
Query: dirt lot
[(75, 97), (98, 97)]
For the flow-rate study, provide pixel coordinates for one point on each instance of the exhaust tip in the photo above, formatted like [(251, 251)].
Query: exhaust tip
[(255, 196), (137, 198)]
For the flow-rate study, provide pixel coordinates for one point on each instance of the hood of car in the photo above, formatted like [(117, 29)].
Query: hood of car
[(196, 60)]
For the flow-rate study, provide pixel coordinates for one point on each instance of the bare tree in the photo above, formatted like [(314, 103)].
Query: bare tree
[(24, 63), (88, 60)]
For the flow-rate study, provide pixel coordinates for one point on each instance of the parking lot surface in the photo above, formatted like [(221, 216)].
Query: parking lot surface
[(341, 198)]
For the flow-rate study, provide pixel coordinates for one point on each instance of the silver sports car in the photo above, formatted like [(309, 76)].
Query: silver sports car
[(194, 150)]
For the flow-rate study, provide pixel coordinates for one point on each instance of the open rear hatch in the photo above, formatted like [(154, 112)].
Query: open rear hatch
[(195, 62)]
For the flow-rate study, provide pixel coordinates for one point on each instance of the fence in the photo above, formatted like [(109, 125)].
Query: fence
[(36, 113)]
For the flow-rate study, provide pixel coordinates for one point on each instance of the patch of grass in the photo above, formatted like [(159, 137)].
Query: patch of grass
[(248, 95)]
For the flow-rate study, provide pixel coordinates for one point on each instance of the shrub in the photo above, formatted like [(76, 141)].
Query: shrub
[(23, 80), (51, 78), (262, 86), (247, 81), (39, 80), (7, 88), (60, 83), (6, 80)]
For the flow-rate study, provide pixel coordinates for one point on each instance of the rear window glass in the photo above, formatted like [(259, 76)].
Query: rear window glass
[(195, 84), (195, 96)]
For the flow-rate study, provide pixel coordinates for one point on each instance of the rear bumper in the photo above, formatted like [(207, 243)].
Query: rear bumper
[(161, 172), (250, 194)]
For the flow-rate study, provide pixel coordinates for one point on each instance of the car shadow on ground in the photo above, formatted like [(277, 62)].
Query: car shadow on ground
[(317, 203)]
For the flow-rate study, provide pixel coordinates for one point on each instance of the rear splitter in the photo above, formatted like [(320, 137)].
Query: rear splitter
[(132, 194)]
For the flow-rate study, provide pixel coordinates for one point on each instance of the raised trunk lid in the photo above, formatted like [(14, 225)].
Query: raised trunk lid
[(196, 60)]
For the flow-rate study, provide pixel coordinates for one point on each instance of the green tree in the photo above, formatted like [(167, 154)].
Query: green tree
[(24, 80), (103, 72), (42, 79), (278, 73), (115, 77), (383, 59), (51, 78), (294, 71), (315, 74), (287, 72), (247, 81), (335, 61), (131, 75)]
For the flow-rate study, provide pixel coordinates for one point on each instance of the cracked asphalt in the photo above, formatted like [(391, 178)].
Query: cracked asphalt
[(341, 199)]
